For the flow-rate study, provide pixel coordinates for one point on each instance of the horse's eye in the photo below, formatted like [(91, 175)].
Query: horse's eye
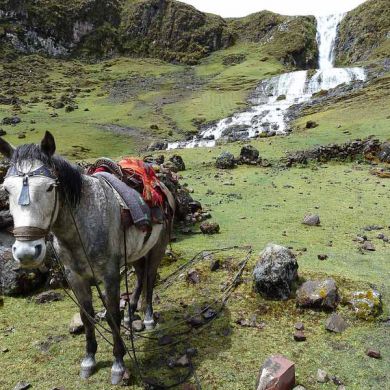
[(50, 189)]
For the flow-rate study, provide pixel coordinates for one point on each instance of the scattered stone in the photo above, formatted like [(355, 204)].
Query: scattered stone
[(191, 352), (277, 373), (299, 387), (178, 162), (2, 132), (250, 323), (21, 135), (275, 272), (22, 386), (322, 376), (318, 294), (195, 321), (14, 120), (48, 296), (311, 220), (336, 323), (4, 350), (183, 361), (225, 161), (215, 265), (249, 155), (138, 325), (368, 246), (342, 387), (322, 257), (193, 277), (299, 326), (337, 381), (165, 340), (209, 314), (373, 353), (281, 97), (366, 304), (299, 335), (209, 227), (76, 325), (311, 124), (157, 145)]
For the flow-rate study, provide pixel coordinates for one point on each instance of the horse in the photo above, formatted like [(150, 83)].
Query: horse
[(47, 194)]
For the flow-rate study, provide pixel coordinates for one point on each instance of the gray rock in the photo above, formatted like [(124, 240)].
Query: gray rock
[(183, 361), (17, 281), (322, 376), (299, 387), (209, 228), (178, 161), (336, 323), (249, 154), (225, 161), (318, 294), (275, 272), (311, 220), (48, 296), (366, 304), (22, 386), (76, 325)]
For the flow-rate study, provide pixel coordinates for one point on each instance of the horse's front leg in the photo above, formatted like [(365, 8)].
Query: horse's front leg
[(82, 290), (112, 286)]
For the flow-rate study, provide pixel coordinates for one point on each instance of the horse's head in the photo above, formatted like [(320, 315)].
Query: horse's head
[(31, 184)]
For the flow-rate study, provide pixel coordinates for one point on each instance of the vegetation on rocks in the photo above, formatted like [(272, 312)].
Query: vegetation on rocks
[(291, 39), (364, 33)]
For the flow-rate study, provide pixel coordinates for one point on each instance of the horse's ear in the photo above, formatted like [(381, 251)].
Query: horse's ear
[(6, 149), (48, 145)]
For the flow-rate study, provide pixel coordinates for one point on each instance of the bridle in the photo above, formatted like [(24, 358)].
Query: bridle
[(32, 233)]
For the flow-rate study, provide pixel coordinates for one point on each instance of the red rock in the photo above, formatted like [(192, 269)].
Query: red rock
[(277, 373)]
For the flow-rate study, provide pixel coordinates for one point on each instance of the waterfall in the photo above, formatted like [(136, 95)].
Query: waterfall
[(273, 97)]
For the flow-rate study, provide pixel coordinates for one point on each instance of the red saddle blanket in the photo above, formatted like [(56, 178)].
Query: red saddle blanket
[(138, 175)]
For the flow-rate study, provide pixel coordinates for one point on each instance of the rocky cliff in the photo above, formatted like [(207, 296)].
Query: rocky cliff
[(364, 33), (165, 29), (291, 39)]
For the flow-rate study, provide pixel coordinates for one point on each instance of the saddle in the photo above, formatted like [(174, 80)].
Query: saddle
[(145, 200)]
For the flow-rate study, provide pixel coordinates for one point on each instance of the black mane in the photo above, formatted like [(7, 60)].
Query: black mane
[(69, 175)]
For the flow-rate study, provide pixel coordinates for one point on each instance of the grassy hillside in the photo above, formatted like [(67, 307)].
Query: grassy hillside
[(264, 205), (364, 33)]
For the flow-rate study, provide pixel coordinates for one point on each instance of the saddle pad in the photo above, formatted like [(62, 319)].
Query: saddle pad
[(139, 210)]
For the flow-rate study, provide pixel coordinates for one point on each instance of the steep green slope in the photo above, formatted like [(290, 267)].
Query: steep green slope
[(364, 33), (291, 39)]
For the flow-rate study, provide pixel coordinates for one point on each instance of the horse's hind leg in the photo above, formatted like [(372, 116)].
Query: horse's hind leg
[(139, 268), (82, 289), (112, 286), (151, 265)]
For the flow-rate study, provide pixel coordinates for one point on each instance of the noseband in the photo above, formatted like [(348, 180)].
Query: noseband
[(32, 233)]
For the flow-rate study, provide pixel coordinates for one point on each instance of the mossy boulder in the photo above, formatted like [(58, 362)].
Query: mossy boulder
[(364, 33), (366, 304)]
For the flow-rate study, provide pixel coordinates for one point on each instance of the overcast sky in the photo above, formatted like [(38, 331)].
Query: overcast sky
[(236, 8)]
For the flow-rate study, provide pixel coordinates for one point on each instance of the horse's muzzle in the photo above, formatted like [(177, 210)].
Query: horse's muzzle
[(29, 254)]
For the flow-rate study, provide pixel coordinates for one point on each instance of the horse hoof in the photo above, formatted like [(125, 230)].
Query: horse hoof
[(88, 366), (149, 324), (117, 373)]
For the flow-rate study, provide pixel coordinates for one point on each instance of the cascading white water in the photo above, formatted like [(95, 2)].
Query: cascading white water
[(273, 97)]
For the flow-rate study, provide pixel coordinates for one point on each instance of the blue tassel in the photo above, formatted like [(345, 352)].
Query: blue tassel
[(24, 198)]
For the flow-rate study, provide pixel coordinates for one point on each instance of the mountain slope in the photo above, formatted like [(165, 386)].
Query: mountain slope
[(364, 33)]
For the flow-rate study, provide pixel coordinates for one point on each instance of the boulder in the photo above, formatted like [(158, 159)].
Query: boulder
[(76, 325), (384, 153), (318, 294), (311, 124), (157, 145), (178, 161), (275, 272), (322, 376), (311, 220), (366, 304), (13, 120), (209, 227), (225, 161), (16, 281), (335, 323), (277, 373), (249, 154)]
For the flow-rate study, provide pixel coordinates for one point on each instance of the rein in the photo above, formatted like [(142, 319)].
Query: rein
[(32, 233)]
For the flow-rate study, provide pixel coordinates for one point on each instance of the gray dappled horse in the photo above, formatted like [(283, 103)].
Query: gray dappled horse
[(44, 192)]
